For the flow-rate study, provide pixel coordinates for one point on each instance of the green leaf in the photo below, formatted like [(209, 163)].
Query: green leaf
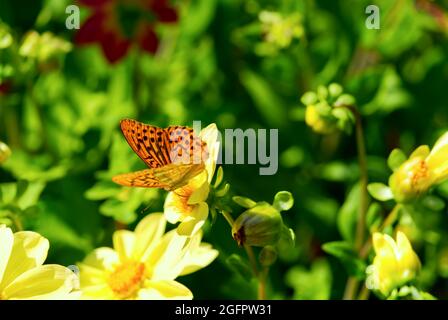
[(223, 191), (244, 202), (102, 190), (265, 99), (120, 211), (201, 14), (240, 266), (283, 201), (395, 159), (348, 214), (31, 195), (433, 203), (219, 176), (390, 96), (288, 236), (348, 257), (380, 191), (311, 284), (21, 187), (374, 217)]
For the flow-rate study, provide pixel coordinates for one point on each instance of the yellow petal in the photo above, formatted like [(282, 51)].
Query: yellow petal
[(441, 143), (161, 290), (421, 152), (199, 258), (384, 245), (210, 163), (6, 243), (148, 232), (210, 136), (90, 276), (192, 224), (102, 259), (29, 251), (171, 209), (166, 258), (438, 159), (124, 242), (43, 282), (200, 194), (408, 259), (403, 244), (97, 292)]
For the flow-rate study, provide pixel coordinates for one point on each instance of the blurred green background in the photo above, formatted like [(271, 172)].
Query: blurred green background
[(223, 62)]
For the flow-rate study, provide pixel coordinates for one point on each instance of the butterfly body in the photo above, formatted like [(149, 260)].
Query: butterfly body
[(174, 155)]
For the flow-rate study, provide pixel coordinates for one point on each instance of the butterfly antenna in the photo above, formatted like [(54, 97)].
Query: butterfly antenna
[(145, 209)]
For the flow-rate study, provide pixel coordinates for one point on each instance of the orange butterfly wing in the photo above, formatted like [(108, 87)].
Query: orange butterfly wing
[(174, 155), (143, 178), (148, 142)]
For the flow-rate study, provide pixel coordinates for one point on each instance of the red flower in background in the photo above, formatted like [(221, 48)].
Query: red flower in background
[(117, 24), (5, 88)]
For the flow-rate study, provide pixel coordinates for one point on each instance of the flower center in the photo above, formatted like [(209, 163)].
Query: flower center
[(183, 196), (419, 173), (127, 278)]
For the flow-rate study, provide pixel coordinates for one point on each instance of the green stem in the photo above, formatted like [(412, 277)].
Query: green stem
[(228, 217), (17, 223), (390, 219), (351, 288), (364, 200), (252, 259), (262, 283), (364, 294), (352, 283)]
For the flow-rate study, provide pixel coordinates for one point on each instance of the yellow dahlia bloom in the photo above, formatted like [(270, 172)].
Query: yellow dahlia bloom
[(22, 273), (144, 264), (187, 204), (421, 171), (394, 265)]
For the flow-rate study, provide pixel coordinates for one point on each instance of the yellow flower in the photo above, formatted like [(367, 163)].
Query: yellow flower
[(188, 204), (22, 273), (394, 265), (144, 264), (281, 30), (421, 171)]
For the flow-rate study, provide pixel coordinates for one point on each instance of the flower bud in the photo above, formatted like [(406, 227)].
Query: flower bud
[(327, 109), (318, 122), (394, 265), (259, 226)]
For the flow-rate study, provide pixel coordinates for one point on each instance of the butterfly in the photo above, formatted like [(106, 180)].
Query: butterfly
[(174, 155)]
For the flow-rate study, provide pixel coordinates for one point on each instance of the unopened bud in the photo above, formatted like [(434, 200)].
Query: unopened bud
[(320, 123), (259, 226)]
